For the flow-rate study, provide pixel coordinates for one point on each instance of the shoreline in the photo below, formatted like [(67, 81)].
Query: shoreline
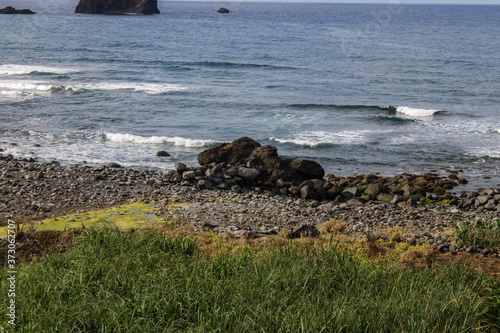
[(38, 191)]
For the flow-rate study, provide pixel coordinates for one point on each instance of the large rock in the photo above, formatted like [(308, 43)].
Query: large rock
[(12, 10), (231, 153), (285, 169), (114, 7), (249, 152)]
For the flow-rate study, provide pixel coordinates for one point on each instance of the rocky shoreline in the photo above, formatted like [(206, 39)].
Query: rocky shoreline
[(253, 194)]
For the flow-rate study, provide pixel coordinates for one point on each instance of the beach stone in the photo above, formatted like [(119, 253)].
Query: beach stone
[(113, 165), (490, 205), (373, 189), (385, 197), (180, 167), (294, 190), (351, 192), (482, 199), (162, 153), (248, 173), (439, 191), (308, 192), (188, 175), (205, 184), (355, 203)]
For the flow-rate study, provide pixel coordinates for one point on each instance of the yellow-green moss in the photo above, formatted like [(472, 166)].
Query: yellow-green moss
[(125, 217)]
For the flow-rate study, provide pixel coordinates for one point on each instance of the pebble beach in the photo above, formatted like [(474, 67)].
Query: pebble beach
[(36, 191)]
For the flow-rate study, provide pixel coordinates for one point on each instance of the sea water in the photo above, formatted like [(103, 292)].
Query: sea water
[(385, 88)]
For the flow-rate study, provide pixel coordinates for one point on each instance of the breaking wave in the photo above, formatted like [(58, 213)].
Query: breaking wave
[(11, 69), (158, 140), (318, 139), (7, 87)]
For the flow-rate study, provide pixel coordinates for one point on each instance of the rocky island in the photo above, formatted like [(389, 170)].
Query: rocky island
[(12, 10), (118, 7)]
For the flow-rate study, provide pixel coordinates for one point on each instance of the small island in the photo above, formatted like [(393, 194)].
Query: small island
[(12, 10), (118, 7), (223, 10)]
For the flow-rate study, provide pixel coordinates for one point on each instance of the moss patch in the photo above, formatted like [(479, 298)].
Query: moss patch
[(136, 215)]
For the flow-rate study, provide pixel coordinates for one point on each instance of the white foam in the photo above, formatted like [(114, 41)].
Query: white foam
[(45, 86), (11, 69), (157, 140), (149, 88), (415, 112), (316, 138), (10, 87)]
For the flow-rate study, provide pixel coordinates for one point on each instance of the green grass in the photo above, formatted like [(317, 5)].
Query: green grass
[(112, 281), (478, 233)]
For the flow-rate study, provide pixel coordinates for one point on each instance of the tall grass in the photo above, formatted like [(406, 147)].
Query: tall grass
[(480, 232), (115, 282)]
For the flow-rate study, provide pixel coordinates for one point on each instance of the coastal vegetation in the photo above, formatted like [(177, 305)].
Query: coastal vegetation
[(173, 280)]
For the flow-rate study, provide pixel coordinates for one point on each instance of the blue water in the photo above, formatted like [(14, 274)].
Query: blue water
[(360, 88)]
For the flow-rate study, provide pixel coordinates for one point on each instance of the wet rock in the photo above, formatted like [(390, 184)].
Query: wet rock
[(180, 167), (188, 175), (162, 153), (113, 165)]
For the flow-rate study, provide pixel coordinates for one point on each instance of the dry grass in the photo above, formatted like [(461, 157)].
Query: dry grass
[(333, 226)]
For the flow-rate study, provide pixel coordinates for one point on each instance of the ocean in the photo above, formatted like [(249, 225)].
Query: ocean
[(385, 88)]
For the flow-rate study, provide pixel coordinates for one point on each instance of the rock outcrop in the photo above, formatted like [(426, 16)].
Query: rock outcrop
[(230, 153), (12, 10), (255, 161), (117, 7), (223, 10)]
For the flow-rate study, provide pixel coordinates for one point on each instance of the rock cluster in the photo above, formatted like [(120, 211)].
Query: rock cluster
[(12, 10), (244, 163), (484, 200), (46, 190), (118, 7)]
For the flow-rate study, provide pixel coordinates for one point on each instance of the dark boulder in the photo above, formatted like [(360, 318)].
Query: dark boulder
[(12, 10), (231, 153), (117, 7), (285, 169), (223, 10), (162, 153), (265, 158)]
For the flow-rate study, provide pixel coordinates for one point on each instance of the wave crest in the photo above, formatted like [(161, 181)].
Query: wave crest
[(11, 69), (416, 112), (158, 140)]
